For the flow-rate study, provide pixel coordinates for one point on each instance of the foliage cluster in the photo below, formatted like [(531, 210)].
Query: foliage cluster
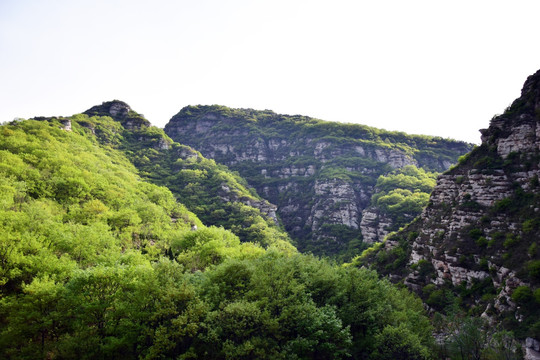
[(471, 338), (402, 194)]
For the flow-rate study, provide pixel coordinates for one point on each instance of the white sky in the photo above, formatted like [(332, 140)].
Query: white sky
[(426, 67)]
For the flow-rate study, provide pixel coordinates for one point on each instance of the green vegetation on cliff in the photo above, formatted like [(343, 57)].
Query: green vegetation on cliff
[(216, 195), (475, 246), (321, 175), (402, 194)]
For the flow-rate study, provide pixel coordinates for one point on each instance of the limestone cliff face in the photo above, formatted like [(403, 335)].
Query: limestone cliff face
[(479, 234), (320, 175), (375, 225)]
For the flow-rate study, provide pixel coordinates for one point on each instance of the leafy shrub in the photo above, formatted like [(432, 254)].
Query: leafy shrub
[(481, 241), (475, 234), (536, 295), (503, 205), (522, 294), (511, 240), (532, 250)]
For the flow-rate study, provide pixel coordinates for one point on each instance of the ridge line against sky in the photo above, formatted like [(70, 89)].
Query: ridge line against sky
[(421, 67)]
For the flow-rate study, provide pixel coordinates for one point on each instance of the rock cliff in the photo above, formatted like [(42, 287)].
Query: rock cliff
[(121, 112), (478, 237), (321, 175)]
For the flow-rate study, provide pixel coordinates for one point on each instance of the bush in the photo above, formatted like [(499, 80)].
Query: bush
[(533, 249), (481, 241), (534, 269), (522, 294), (511, 240), (475, 234), (536, 295), (398, 343)]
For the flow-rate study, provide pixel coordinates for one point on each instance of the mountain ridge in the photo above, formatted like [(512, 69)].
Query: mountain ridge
[(321, 175), (477, 239), (218, 196)]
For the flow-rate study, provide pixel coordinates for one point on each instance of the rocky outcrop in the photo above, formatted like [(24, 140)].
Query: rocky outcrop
[(480, 230), (374, 225), (531, 349), (338, 196), (135, 124), (121, 112)]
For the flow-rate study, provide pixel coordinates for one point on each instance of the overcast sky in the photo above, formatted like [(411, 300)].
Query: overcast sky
[(425, 67)]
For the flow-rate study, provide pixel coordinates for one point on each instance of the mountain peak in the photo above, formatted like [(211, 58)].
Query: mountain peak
[(530, 92), (121, 112), (478, 236), (516, 129)]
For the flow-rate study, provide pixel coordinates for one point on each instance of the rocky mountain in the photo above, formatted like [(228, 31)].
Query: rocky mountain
[(321, 175), (478, 238)]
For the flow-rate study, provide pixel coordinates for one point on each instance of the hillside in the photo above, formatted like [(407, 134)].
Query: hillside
[(98, 263), (322, 175), (218, 196), (476, 243)]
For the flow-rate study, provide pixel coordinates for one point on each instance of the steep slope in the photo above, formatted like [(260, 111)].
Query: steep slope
[(478, 237), (67, 202), (218, 196), (321, 175)]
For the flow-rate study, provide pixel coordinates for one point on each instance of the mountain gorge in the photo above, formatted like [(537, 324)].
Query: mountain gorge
[(322, 175), (477, 240), (237, 234)]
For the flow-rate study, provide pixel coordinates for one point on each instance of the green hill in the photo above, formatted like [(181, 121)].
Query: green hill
[(99, 263), (218, 196)]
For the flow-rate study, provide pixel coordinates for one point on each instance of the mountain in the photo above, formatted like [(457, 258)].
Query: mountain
[(98, 262), (218, 196), (323, 176), (477, 240)]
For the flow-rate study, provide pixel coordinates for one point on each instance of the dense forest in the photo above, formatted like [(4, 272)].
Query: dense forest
[(99, 263)]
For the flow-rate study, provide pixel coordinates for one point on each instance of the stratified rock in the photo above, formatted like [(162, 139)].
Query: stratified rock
[(482, 217)]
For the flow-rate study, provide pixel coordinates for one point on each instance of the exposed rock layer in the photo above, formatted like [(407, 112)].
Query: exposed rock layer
[(481, 228)]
